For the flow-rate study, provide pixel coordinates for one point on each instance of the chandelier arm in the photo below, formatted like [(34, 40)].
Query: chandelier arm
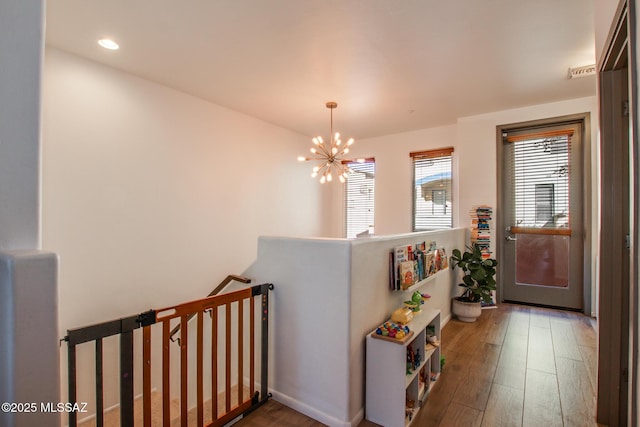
[(324, 167), (324, 150), (308, 159), (342, 167)]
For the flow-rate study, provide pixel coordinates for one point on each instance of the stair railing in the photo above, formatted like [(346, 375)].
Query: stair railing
[(230, 278)]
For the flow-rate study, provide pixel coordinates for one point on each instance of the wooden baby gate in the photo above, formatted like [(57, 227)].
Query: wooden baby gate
[(221, 309)]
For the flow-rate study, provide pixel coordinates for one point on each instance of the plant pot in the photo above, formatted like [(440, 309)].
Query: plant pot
[(466, 311)]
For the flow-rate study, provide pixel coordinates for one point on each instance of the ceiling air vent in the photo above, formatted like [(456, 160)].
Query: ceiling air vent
[(587, 70)]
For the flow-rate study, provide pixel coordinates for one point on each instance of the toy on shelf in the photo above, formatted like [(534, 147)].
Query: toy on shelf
[(392, 331), (417, 299), (413, 306), (414, 359), (402, 315)]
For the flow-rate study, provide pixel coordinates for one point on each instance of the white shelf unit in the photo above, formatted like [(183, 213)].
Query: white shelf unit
[(388, 385)]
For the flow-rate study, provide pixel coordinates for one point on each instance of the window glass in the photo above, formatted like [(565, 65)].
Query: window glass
[(359, 192), (432, 189)]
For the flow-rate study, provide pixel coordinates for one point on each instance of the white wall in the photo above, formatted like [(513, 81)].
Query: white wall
[(372, 303), (21, 45), (329, 294), (28, 316), (604, 11), (394, 174), (478, 135), (151, 197), (309, 324), (474, 165)]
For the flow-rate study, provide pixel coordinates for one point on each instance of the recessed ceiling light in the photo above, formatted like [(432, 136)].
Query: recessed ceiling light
[(108, 44)]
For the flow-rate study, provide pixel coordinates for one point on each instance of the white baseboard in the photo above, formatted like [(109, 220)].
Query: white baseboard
[(314, 413), (355, 421), (311, 412)]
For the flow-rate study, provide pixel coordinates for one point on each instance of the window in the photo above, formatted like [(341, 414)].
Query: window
[(432, 195), (359, 191)]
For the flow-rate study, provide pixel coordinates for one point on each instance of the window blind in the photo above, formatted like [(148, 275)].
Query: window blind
[(540, 178), (432, 189), (359, 193)]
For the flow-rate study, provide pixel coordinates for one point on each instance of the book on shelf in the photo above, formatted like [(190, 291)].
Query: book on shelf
[(444, 262), (410, 264), (401, 255), (406, 274)]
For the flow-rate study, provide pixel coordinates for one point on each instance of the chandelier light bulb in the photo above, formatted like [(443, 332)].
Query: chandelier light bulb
[(313, 150), (345, 151), (329, 177), (302, 159), (334, 150), (350, 141), (341, 177), (322, 179)]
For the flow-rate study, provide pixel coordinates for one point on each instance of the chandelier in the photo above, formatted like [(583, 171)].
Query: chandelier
[(330, 156)]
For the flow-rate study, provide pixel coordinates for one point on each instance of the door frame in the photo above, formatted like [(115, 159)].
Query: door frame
[(585, 120), (618, 339)]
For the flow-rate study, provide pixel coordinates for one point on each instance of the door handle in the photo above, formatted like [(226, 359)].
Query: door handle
[(510, 239)]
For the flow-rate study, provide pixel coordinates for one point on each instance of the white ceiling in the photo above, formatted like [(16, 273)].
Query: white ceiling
[(392, 65)]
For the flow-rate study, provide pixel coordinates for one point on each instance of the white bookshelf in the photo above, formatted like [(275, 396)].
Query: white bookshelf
[(388, 384)]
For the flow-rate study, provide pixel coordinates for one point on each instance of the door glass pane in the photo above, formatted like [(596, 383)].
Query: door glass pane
[(541, 182), (542, 260)]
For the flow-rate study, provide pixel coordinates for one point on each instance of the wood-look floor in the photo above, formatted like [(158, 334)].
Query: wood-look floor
[(516, 366)]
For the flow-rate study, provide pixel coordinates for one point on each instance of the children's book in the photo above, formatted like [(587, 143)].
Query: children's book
[(401, 255), (438, 259), (406, 273), (444, 262), (430, 263)]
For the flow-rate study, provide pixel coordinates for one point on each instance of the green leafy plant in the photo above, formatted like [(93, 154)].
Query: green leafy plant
[(479, 274)]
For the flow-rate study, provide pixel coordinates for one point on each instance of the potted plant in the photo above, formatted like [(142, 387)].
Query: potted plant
[(478, 281)]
